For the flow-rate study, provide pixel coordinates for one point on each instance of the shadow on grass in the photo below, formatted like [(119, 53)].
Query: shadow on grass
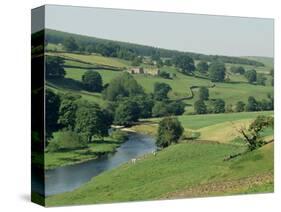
[(66, 83)]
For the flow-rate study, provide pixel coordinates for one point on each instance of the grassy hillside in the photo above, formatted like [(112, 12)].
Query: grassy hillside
[(178, 169), (237, 89)]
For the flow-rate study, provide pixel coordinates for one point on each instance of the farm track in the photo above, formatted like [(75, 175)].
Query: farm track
[(223, 187)]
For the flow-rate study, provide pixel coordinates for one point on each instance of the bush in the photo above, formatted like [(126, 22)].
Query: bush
[(66, 140)]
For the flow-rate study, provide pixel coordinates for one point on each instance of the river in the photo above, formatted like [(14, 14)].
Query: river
[(68, 178)]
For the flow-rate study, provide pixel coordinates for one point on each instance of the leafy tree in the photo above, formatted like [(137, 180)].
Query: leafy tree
[(185, 63), (161, 91), (164, 75), (160, 109), (54, 67), (253, 135), (169, 131), (168, 62), (175, 108), (123, 85), (145, 104), (202, 67), (219, 106), (217, 72), (203, 93), (237, 69), (70, 44), (67, 110), (252, 104), (52, 112), (66, 140), (137, 61), (90, 121), (92, 81), (200, 107), (251, 75), (261, 79), (126, 113), (240, 106)]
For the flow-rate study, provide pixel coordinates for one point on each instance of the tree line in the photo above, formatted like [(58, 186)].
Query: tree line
[(74, 42)]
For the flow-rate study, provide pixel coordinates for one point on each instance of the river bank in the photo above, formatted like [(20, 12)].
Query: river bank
[(67, 178), (92, 152)]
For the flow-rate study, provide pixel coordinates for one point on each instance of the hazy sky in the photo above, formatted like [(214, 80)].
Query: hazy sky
[(206, 34)]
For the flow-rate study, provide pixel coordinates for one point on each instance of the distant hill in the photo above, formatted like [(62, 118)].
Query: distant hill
[(268, 61), (54, 36)]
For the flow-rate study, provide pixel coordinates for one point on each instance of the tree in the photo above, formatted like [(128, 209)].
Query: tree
[(203, 93), (123, 85), (185, 63), (160, 109), (240, 106), (169, 131), (253, 135), (219, 106), (175, 108), (261, 79), (145, 104), (200, 107), (164, 75), (126, 113), (251, 75), (202, 67), (217, 72), (70, 44), (237, 69), (137, 61), (67, 110), (252, 104), (161, 91), (66, 140), (52, 112), (90, 121), (54, 67), (167, 62), (92, 81)]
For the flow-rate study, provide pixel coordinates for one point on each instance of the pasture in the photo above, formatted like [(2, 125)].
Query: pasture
[(178, 169)]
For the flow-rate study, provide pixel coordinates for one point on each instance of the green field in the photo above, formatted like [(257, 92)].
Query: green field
[(177, 169), (237, 89)]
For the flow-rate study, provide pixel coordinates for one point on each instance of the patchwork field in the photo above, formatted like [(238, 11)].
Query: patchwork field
[(237, 89)]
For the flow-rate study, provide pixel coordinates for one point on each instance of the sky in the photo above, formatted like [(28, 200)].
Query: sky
[(207, 34)]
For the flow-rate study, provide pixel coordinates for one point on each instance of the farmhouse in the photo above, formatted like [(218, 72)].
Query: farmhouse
[(141, 70)]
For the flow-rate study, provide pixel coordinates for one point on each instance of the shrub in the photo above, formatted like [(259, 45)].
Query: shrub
[(66, 140)]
